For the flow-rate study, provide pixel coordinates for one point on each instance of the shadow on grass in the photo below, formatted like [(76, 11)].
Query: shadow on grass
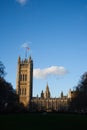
[(42, 120)]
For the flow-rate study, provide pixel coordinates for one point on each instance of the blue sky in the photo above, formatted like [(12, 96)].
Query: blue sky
[(55, 31)]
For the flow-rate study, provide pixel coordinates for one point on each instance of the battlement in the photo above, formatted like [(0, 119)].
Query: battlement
[(24, 61)]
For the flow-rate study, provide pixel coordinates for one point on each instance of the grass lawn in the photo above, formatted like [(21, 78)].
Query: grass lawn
[(42, 121)]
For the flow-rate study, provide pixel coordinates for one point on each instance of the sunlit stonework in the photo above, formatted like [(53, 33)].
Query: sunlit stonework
[(24, 89)]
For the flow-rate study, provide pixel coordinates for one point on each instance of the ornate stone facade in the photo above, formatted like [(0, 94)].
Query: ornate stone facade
[(24, 87), (24, 80)]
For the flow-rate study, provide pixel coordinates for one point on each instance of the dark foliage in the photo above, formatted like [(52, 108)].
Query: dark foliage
[(2, 70), (79, 102), (8, 97)]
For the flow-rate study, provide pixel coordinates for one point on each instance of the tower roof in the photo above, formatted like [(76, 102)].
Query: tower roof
[(47, 87)]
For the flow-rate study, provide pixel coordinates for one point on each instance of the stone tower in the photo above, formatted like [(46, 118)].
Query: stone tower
[(24, 82)]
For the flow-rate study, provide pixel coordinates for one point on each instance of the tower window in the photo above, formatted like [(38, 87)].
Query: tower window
[(25, 77), (25, 91), (21, 77), (20, 91)]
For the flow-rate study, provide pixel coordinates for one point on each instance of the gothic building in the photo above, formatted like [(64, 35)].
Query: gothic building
[(24, 89)]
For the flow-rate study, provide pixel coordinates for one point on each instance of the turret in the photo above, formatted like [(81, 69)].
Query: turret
[(47, 92), (62, 94), (69, 94), (42, 94), (19, 59)]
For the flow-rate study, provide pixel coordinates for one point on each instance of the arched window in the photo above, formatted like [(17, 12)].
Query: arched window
[(20, 91), (20, 77), (25, 77), (25, 91)]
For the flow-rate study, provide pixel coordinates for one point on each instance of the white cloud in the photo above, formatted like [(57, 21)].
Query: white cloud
[(51, 71), (26, 44), (22, 2)]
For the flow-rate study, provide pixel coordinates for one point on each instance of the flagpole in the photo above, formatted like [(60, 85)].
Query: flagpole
[(25, 52)]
